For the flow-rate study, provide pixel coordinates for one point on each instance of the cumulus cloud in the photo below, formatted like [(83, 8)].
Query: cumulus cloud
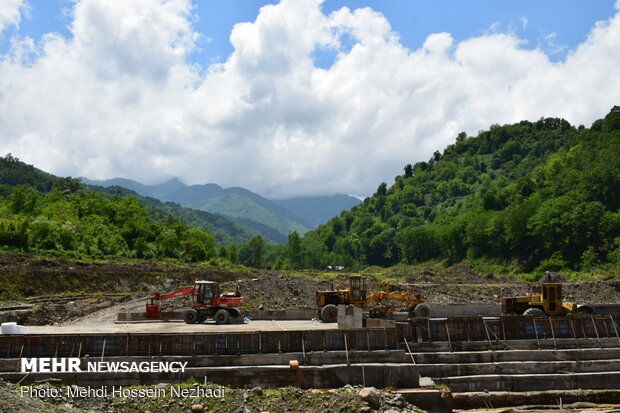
[(10, 13), (120, 99)]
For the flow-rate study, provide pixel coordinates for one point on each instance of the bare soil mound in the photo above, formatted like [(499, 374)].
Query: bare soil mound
[(552, 277)]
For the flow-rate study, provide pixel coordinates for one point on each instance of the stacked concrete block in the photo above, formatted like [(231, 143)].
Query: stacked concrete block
[(350, 316)]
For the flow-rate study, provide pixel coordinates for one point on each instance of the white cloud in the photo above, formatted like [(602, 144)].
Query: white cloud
[(10, 13), (524, 22), (120, 99)]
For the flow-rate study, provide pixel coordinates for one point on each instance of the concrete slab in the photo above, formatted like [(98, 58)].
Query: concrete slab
[(181, 327)]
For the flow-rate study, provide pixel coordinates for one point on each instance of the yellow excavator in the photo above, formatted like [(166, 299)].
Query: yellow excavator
[(356, 294), (544, 300)]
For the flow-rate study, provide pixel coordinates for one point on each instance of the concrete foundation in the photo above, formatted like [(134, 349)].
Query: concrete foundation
[(521, 365), (550, 397), (469, 355)]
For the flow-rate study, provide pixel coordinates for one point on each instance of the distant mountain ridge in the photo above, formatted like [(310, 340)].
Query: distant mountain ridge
[(274, 219)]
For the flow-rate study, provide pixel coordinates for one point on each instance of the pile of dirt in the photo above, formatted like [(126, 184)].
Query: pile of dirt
[(464, 272), (552, 277), (276, 291), (600, 292), (457, 274)]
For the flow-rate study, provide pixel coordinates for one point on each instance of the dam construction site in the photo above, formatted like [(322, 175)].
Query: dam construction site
[(278, 355)]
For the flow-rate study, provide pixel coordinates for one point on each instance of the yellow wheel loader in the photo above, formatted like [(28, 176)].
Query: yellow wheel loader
[(544, 300), (356, 294)]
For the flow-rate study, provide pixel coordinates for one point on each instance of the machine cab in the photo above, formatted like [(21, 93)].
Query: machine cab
[(552, 298), (357, 287), (205, 292)]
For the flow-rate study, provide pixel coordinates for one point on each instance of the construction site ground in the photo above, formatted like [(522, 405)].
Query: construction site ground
[(52, 295), (42, 290)]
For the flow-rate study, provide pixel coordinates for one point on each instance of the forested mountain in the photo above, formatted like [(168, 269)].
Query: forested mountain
[(42, 212), (254, 211), (247, 208), (273, 219), (225, 230), (544, 195)]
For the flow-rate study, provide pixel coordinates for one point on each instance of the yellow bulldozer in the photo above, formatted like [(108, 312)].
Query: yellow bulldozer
[(380, 304), (544, 300)]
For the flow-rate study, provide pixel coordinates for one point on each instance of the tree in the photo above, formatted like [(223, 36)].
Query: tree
[(68, 185), (233, 257), (197, 245), (294, 250), (418, 244), (24, 199), (382, 189), (257, 251), (408, 170)]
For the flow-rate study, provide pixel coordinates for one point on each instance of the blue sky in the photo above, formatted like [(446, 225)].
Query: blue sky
[(302, 97), (556, 26)]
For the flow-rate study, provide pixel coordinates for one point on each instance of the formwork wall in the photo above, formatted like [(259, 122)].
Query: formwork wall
[(231, 343), (510, 328)]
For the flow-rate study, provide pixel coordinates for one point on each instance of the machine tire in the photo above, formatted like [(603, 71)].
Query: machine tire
[(535, 312), (329, 313), (422, 310), (221, 316), (190, 316), (234, 314)]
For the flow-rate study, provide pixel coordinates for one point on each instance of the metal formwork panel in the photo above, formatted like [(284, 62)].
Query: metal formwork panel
[(455, 329)]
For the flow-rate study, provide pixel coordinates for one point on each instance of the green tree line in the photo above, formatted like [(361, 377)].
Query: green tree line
[(68, 218)]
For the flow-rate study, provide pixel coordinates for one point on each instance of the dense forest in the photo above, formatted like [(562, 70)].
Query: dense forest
[(544, 195), (541, 195)]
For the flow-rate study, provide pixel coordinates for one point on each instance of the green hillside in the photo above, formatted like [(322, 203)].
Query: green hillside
[(39, 211), (273, 225), (543, 195), (225, 230)]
